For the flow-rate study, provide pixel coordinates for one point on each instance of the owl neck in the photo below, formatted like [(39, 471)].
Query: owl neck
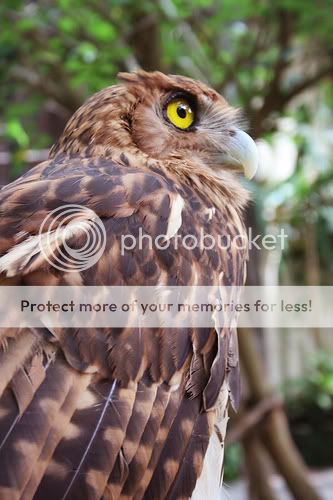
[(220, 188), (102, 128)]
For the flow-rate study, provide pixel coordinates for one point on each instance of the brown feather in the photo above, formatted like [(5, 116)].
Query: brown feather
[(120, 413)]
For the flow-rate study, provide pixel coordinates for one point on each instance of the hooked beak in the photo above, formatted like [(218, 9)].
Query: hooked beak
[(241, 151)]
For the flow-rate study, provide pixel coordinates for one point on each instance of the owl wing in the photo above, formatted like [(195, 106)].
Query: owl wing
[(110, 413)]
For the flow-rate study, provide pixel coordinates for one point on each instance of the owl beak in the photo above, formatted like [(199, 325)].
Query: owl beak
[(241, 151)]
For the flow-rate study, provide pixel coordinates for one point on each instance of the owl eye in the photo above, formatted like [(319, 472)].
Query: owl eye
[(180, 113)]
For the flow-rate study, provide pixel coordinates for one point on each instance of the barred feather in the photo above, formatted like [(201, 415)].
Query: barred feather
[(120, 413)]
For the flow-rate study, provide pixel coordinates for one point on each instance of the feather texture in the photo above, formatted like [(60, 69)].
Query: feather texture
[(120, 413)]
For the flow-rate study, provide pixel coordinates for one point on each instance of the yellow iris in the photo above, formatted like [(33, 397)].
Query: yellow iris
[(180, 113)]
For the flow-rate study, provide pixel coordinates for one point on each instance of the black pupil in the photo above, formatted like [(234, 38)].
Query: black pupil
[(181, 111)]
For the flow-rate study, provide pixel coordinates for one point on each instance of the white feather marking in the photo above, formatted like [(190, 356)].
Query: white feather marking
[(98, 425), (175, 217), (42, 244), (20, 253), (209, 484), (21, 234), (10, 430), (210, 212)]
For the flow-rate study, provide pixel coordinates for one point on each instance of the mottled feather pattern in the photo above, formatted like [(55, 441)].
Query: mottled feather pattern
[(116, 413)]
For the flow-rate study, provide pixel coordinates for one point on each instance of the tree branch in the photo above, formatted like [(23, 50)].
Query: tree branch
[(252, 418), (277, 101), (322, 73)]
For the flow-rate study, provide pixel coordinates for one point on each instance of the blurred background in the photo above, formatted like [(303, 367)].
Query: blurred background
[(273, 59)]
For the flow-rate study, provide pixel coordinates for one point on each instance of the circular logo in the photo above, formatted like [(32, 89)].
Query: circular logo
[(72, 238)]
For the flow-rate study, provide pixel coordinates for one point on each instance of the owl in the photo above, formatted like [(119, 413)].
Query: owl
[(125, 412)]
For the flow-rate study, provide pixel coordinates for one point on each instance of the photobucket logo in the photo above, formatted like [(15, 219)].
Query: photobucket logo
[(72, 238), (205, 241)]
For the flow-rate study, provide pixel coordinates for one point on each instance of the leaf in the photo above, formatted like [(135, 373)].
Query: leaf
[(15, 131)]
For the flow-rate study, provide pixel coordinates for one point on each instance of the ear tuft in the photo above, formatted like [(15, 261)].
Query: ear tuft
[(149, 79)]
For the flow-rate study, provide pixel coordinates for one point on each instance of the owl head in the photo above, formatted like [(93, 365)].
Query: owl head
[(164, 117)]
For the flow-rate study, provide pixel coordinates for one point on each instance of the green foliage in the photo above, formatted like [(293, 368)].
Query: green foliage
[(232, 462), (80, 46), (15, 132), (309, 403), (315, 389)]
